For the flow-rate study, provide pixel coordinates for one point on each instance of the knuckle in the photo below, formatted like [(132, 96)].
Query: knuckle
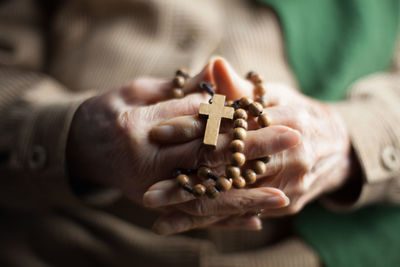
[(303, 163), (301, 120), (135, 83), (192, 130), (294, 209), (241, 204), (212, 158), (122, 120), (191, 105), (192, 222), (200, 208), (185, 132), (300, 188)]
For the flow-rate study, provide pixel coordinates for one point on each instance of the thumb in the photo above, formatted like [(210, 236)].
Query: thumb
[(228, 82)]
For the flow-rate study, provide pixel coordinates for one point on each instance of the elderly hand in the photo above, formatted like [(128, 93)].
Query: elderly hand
[(108, 140), (316, 163)]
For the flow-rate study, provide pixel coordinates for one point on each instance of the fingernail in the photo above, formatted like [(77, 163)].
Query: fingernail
[(287, 201), (171, 226), (155, 198), (255, 224), (277, 201), (163, 132), (258, 225), (289, 139)]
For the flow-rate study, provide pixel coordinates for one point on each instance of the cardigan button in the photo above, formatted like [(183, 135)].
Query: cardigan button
[(38, 158), (390, 158)]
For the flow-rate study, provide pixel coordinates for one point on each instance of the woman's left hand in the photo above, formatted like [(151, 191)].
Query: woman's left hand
[(318, 164)]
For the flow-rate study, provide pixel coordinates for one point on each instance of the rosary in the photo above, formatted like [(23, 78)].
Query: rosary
[(239, 111)]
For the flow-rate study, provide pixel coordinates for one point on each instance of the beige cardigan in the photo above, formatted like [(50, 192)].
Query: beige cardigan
[(53, 58)]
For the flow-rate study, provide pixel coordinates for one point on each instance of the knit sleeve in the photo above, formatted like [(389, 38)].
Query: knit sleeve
[(372, 116), (35, 113)]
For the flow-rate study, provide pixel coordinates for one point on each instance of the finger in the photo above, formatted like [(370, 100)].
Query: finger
[(229, 83), (189, 105), (167, 193), (244, 222), (237, 201), (146, 90), (284, 115), (177, 222), (183, 129), (206, 75), (258, 144)]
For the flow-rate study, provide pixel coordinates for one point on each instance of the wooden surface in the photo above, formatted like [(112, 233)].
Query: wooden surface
[(215, 112)]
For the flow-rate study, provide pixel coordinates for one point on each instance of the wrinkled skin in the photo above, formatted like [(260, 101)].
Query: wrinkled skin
[(319, 163), (109, 143)]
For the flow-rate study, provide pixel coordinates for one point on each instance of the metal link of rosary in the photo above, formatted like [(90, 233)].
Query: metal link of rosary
[(241, 110)]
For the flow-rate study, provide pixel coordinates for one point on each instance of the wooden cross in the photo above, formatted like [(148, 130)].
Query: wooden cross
[(215, 111)]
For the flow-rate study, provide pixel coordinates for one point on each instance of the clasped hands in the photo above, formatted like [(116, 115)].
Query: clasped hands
[(134, 136)]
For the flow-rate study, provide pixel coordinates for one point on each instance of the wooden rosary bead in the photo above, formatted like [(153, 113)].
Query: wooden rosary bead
[(240, 123), (178, 93), (239, 182), (250, 176), (199, 190), (183, 179), (263, 101), (255, 109), (178, 171), (264, 120), (250, 74), (203, 173), (182, 72), (240, 114), (212, 192), (245, 102), (223, 184), (260, 89), (236, 146), (266, 159), (256, 79), (232, 171), (229, 103), (179, 81), (239, 133), (259, 167), (238, 159)]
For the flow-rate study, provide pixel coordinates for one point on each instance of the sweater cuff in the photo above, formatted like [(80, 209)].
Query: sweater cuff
[(370, 125), (39, 154)]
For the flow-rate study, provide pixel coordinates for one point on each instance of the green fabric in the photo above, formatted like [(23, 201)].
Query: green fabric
[(332, 43), (329, 45), (367, 237)]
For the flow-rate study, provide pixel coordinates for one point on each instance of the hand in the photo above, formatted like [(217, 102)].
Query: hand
[(221, 212), (319, 163), (109, 136)]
